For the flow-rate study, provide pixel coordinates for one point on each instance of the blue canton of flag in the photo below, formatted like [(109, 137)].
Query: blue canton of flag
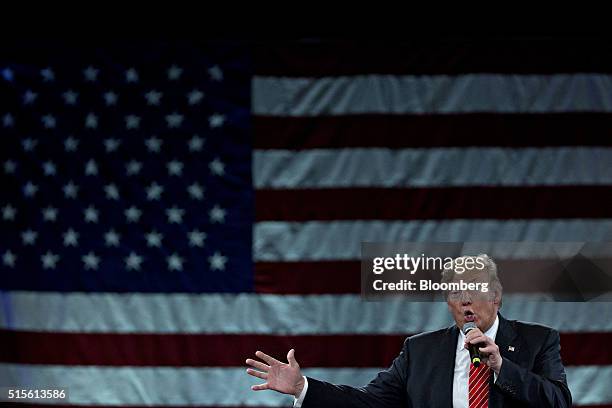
[(128, 172)]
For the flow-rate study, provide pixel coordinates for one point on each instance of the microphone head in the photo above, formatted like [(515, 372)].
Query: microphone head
[(468, 326)]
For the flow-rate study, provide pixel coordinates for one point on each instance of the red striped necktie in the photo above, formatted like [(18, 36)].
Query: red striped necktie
[(479, 386)]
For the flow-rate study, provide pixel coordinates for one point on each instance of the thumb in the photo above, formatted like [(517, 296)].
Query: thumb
[(291, 358)]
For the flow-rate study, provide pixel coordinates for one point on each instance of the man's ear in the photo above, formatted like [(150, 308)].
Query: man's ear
[(497, 299)]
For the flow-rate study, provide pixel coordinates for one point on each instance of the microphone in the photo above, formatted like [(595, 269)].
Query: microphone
[(473, 348)]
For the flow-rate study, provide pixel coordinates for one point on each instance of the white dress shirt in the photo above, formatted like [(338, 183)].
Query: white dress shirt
[(462, 367), (460, 378)]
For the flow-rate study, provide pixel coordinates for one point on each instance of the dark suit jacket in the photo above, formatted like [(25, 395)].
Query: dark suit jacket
[(422, 375)]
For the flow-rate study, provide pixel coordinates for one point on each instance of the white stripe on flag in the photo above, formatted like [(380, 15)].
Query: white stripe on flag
[(388, 94), (341, 168), (267, 314), (341, 240), (223, 386)]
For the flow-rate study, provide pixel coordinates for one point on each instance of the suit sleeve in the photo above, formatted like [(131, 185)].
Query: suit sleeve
[(386, 390), (543, 386)]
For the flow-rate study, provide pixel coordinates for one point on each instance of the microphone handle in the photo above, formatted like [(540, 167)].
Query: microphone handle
[(474, 354)]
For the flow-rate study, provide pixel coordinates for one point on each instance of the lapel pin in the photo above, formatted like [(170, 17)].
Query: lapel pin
[(510, 348)]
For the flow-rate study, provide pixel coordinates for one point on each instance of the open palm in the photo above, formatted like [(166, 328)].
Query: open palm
[(279, 376)]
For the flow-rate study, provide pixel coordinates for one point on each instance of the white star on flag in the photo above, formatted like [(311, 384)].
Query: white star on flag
[(111, 191), (153, 144), (133, 261), (175, 215), (91, 214), (216, 120), (71, 144), (71, 238), (110, 98), (7, 73), (195, 97), (175, 262), (91, 121), (174, 120), (10, 167), (91, 74), (48, 121), (196, 191), (217, 167), (9, 259), (133, 214), (217, 261), (174, 73), (217, 214), (47, 74), (153, 98), (131, 76), (133, 168), (91, 168), (196, 238), (175, 168), (30, 189), (111, 145), (215, 73), (29, 97), (8, 212), (132, 122), (154, 239), (49, 214), (29, 237), (196, 143), (154, 192), (49, 168), (49, 260), (111, 238), (8, 120), (70, 97), (70, 190), (91, 261), (29, 144)]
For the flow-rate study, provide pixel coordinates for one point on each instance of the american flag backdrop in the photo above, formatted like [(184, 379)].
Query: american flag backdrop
[(168, 209)]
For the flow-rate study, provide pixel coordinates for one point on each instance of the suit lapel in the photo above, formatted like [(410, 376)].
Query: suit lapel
[(446, 366), (508, 348)]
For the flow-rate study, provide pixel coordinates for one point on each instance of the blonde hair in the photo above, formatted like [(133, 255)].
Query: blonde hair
[(489, 266)]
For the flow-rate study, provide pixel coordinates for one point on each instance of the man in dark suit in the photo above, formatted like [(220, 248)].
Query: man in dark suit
[(522, 364)]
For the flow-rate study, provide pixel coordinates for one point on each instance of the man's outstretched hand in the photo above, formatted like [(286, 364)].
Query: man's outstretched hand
[(281, 377)]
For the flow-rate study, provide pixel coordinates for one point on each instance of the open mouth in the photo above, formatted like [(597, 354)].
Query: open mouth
[(469, 316)]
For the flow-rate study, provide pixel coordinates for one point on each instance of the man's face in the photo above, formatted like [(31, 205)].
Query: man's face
[(473, 306)]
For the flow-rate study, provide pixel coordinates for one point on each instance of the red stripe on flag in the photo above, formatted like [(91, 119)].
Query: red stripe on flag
[(224, 350), (404, 131), (505, 203), (512, 56), (216, 350), (329, 277)]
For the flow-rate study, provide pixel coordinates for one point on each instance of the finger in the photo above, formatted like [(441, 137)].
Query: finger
[(480, 339), (257, 364), (476, 340), (488, 349), (291, 358), (473, 333), (260, 387), (258, 374), (267, 358)]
